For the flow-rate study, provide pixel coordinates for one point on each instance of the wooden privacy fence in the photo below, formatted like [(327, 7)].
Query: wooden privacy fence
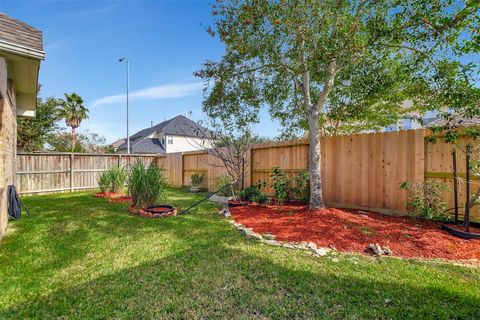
[(60, 172), (362, 171)]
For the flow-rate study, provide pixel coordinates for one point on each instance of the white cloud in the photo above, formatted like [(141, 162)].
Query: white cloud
[(154, 93)]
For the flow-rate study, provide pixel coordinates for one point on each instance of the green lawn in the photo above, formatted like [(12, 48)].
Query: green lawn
[(79, 257)]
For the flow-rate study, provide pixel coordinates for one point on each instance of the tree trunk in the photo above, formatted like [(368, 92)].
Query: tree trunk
[(313, 113), (314, 162), (73, 139)]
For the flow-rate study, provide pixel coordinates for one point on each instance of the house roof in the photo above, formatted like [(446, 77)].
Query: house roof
[(179, 125), (148, 145), (454, 122), (22, 47), (20, 33), (117, 143)]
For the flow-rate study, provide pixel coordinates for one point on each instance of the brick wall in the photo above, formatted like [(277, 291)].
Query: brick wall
[(8, 140)]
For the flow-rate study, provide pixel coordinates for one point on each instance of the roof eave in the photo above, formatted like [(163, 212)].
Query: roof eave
[(18, 49)]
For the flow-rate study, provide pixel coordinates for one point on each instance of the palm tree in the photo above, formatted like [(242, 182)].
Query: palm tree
[(73, 111)]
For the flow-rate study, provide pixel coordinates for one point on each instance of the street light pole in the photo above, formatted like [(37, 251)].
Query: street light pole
[(128, 80)]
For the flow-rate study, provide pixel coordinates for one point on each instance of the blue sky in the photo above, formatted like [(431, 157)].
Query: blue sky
[(165, 41)]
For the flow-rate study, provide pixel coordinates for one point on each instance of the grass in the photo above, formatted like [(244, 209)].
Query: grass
[(78, 257)]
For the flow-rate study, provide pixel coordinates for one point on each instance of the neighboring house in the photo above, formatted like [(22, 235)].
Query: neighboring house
[(21, 50), (115, 145), (404, 124), (456, 121), (175, 135)]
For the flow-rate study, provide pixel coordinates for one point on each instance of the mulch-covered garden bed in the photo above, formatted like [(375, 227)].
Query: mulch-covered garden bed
[(236, 203), (352, 231)]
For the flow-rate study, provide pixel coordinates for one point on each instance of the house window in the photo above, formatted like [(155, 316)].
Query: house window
[(170, 140)]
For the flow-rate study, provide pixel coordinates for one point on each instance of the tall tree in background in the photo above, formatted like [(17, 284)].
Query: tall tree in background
[(61, 141), (33, 133), (73, 112), (352, 61)]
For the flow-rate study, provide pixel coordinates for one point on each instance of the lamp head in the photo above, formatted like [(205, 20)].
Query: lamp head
[(121, 59)]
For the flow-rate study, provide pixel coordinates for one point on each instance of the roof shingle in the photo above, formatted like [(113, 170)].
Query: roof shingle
[(20, 33), (148, 145)]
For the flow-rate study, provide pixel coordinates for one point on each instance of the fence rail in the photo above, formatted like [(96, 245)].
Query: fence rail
[(362, 171), (39, 173)]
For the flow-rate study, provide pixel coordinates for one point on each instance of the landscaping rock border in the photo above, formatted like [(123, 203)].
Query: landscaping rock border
[(378, 250), (270, 239)]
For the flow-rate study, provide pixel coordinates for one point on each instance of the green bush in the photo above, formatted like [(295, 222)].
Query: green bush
[(104, 181), (196, 179), (146, 185), (221, 182), (253, 193), (118, 177), (425, 199), (281, 185), (302, 186)]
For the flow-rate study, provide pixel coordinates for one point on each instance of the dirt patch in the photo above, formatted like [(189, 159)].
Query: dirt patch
[(126, 199), (108, 195), (352, 230)]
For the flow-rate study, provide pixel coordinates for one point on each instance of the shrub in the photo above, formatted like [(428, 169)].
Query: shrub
[(118, 176), (281, 185), (425, 199), (155, 184), (145, 185), (302, 186), (196, 179), (253, 193), (221, 182), (135, 182), (104, 181)]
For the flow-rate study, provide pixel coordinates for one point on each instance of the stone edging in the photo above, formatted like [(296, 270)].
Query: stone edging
[(270, 239)]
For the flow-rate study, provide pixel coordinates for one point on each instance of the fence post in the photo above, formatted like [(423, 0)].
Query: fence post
[(243, 173), (119, 160), (71, 171), (181, 169), (251, 165), (466, 215)]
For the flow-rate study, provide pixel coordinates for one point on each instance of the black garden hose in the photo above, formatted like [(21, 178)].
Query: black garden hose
[(15, 204), (211, 194)]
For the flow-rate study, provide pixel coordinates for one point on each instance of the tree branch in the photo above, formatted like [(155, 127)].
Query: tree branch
[(331, 73), (429, 59), (265, 66)]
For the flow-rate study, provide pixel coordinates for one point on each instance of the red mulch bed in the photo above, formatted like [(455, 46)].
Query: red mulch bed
[(351, 231), (236, 203)]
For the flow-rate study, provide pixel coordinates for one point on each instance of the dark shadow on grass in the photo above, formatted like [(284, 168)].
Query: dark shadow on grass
[(64, 230), (220, 282), (206, 276)]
